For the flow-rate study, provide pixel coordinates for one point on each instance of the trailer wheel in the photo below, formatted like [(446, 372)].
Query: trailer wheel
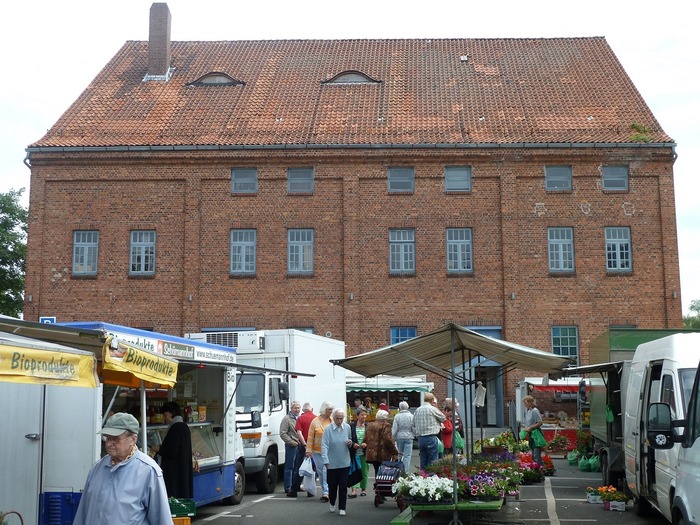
[(238, 486), (266, 479)]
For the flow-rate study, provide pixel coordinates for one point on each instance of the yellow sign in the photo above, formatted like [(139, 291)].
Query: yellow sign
[(20, 364), (130, 359)]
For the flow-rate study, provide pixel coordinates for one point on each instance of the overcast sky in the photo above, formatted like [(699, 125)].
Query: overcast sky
[(53, 49)]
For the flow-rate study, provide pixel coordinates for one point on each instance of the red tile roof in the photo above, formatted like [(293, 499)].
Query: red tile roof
[(557, 90)]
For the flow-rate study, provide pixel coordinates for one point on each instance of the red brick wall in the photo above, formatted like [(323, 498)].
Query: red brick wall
[(186, 198)]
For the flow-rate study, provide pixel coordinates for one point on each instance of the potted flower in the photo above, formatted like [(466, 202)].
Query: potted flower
[(613, 499), (424, 488), (593, 496)]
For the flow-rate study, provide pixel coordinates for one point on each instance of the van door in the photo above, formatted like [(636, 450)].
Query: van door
[(667, 459), (633, 440), (20, 453)]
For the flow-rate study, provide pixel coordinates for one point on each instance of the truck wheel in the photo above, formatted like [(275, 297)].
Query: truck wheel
[(641, 506), (266, 479), (238, 486)]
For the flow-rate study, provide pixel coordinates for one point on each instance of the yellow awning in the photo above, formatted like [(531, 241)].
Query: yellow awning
[(46, 366), (125, 365)]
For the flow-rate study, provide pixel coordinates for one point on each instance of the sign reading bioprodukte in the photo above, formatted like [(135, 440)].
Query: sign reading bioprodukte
[(49, 367), (167, 345)]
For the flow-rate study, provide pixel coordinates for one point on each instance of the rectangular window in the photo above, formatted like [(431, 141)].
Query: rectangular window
[(615, 178), (244, 180), (618, 249), (458, 178), (300, 180), (143, 252), (85, 244), (561, 249), (459, 250), (243, 249), (300, 251), (400, 180), (558, 178), (565, 342), (402, 333), (402, 251)]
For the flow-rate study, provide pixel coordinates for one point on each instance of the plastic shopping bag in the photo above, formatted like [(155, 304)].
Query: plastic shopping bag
[(310, 484), (307, 468)]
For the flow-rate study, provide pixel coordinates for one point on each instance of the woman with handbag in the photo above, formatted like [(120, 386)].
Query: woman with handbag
[(533, 433), (358, 437)]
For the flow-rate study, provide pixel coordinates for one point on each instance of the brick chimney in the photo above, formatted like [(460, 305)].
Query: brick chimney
[(159, 43)]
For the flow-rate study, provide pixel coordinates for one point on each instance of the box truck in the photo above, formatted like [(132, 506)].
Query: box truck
[(293, 366), (663, 371)]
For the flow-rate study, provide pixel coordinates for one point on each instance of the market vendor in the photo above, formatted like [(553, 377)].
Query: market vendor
[(176, 453)]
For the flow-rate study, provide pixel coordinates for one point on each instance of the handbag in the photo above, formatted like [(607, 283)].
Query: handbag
[(307, 468), (355, 472), (458, 441), (538, 438)]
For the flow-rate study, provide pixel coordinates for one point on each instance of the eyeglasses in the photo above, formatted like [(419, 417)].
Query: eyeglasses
[(114, 439)]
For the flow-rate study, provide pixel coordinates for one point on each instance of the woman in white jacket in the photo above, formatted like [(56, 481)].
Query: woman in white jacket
[(402, 432)]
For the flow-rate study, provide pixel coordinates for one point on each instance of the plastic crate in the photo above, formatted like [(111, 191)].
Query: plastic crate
[(181, 507), (181, 521)]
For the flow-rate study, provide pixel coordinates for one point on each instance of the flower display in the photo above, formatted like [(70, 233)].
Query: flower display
[(592, 491), (532, 472), (423, 487), (610, 493), (505, 439)]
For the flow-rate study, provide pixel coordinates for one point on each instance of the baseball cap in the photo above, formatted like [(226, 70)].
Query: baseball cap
[(119, 423)]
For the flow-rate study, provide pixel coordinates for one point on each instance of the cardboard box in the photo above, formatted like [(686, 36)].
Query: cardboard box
[(619, 506), (181, 521), (594, 498)]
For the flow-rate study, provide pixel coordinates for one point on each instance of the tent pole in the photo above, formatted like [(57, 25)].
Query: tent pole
[(144, 444)]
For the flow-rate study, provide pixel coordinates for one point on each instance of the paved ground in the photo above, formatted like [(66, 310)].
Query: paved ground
[(559, 500)]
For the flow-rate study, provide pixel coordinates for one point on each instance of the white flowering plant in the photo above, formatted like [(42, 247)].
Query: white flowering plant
[(424, 488)]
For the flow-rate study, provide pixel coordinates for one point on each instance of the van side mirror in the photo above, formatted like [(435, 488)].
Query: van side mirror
[(255, 419), (660, 426)]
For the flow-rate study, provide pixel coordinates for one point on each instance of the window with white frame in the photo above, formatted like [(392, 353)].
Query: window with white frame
[(300, 180), (402, 251), (143, 252), (85, 249), (300, 251), (243, 252), (459, 250), (615, 178), (565, 341), (458, 178), (558, 178), (400, 180), (618, 249), (402, 333), (244, 180), (561, 249)]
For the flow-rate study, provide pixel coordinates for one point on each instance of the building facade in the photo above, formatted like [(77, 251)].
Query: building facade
[(368, 190)]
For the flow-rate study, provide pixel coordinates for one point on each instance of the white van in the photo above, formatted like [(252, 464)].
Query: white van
[(662, 371), (685, 503)]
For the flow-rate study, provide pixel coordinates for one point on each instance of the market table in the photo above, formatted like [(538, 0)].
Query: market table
[(470, 506)]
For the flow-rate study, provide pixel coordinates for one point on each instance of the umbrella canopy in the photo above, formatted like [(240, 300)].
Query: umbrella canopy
[(25, 360), (432, 352)]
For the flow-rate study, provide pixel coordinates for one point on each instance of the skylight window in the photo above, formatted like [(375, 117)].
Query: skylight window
[(216, 79), (351, 77)]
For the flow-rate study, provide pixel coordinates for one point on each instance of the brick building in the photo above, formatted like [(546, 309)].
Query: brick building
[(370, 190)]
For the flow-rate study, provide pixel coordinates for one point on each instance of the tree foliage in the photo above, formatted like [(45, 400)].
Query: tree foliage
[(692, 320), (13, 251)]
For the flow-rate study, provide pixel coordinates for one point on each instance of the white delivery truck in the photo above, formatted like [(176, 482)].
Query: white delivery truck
[(278, 354), (662, 435), (662, 370)]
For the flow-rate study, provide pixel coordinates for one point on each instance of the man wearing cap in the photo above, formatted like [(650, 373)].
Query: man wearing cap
[(126, 485)]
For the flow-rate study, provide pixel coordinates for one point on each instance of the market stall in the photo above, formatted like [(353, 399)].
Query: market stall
[(441, 351)]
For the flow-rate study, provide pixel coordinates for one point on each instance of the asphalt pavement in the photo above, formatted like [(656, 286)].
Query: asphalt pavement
[(560, 499)]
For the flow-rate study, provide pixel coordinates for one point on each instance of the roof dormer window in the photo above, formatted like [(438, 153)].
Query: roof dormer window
[(351, 77), (216, 79)]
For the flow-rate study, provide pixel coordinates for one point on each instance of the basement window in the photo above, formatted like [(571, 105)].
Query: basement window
[(216, 79)]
